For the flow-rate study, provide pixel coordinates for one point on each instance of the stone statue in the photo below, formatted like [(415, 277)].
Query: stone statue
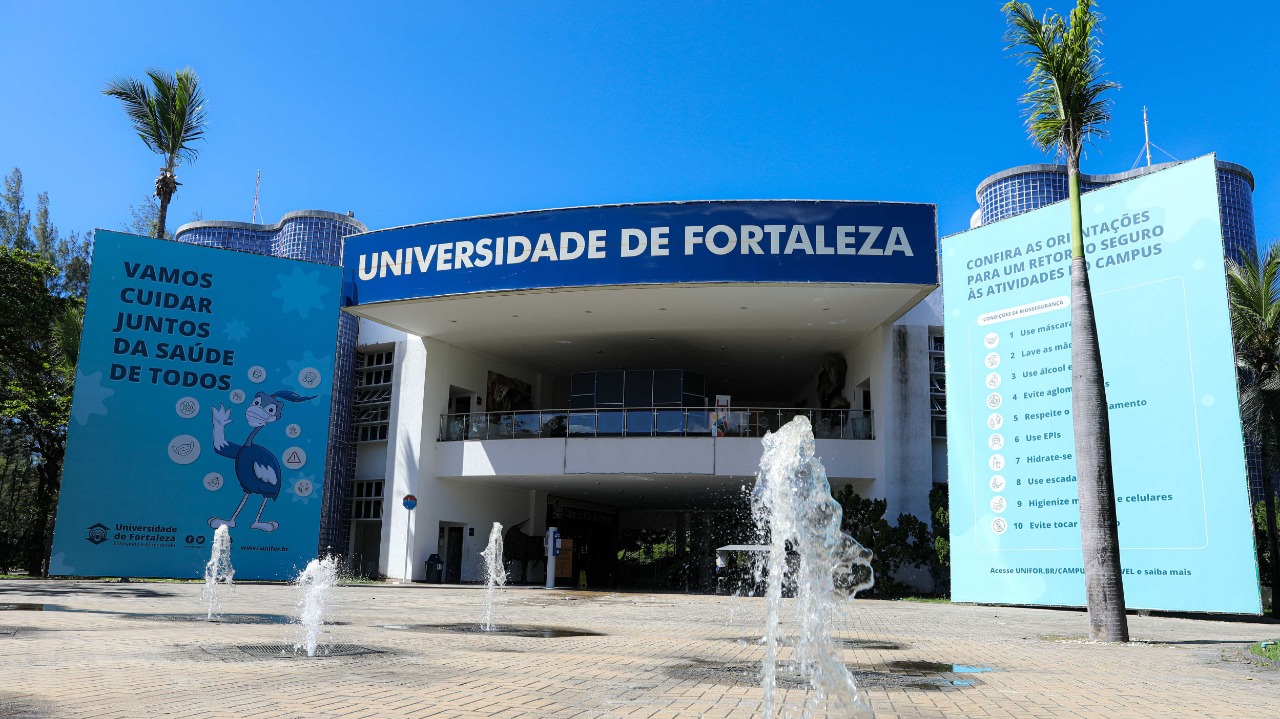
[(521, 548), (831, 383)]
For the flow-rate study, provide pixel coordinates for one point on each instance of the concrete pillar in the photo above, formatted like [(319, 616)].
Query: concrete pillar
[(404, 448), (906, 446)]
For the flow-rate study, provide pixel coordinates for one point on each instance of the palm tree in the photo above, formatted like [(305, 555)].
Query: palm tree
[(67, 327), (169, 117), (1065, 108), (1253, 290)]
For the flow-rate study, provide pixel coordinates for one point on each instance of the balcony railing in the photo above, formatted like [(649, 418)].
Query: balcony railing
[(651, 422)]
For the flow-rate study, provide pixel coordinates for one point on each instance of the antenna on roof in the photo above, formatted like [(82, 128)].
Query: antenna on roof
[(1147, 143), (1146, 134), (257, 185)]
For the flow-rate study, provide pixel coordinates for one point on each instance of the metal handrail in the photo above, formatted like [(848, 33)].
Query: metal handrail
[(651, 422)]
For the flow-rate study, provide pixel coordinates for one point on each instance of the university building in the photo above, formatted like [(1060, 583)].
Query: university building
[(626, 409), (620, 393)]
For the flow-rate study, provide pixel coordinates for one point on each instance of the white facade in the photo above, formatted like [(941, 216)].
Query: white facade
[(462, 487)]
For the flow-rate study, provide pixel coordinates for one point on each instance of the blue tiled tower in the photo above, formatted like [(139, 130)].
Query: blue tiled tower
[(1029, 187), (312, 236)]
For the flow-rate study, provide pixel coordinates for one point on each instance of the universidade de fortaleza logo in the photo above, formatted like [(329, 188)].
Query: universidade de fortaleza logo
[(98, 533)]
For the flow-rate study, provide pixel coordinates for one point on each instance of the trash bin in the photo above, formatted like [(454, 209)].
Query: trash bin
[(435, 569)]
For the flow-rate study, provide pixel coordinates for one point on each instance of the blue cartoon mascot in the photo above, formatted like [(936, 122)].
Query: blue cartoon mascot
[(256, 467)]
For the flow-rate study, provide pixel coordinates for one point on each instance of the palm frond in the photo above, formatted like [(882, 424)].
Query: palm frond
[(169, 116), (66, 335), (1065, 103), (1253, 292), (189, 107), (139, 106)]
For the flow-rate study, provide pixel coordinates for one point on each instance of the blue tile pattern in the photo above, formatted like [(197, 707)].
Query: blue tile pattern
[(1235, 205), (1022, 189), (1030, 187), (312, 236), (1025, 192)]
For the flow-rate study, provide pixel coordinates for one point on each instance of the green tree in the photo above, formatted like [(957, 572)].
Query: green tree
[(169, 117), (1065, 108), (940, 531), (1253, 291), (45, 276), (18, 482), (906, 544), (36, 382), (70, 254), (73, 258), (145, 218), (15, 219)]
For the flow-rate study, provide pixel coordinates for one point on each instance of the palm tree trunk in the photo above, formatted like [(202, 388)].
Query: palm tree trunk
[(166, 184), (1099, 532), (1269, 498), (162, 216)]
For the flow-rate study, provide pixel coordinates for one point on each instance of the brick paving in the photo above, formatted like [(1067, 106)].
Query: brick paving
[(659, 656)]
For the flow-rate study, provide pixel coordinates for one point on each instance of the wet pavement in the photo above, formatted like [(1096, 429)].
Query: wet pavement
[(416, 651)]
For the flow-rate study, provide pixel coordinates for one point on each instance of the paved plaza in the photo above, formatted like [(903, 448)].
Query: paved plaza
[(98, 649)]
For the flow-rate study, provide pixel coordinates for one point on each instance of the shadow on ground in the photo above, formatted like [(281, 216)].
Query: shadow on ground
[(96, 590)]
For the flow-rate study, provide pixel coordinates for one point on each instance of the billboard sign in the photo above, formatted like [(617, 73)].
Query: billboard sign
[(202, 399), (656, 243), (1157, 271)]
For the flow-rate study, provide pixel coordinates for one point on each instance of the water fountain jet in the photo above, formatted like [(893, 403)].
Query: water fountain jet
[(495, 572), (218, 568), (313, 585), (800, 523)]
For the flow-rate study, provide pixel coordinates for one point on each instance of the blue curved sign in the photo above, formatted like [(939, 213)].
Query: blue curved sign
[(772, 241)]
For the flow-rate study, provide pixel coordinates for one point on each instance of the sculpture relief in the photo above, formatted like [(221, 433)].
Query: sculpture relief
[(507, 394)]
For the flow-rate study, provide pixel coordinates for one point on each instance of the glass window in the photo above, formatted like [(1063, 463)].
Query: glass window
[(610, 422), (666, 387), (583, 383), (669, 421), (582, 423), (639, 422), (639, 389), (609, 388)]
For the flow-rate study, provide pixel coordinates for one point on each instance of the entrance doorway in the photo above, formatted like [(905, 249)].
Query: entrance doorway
[(450, 550), (366, 546), (589, 535), (461, 400)]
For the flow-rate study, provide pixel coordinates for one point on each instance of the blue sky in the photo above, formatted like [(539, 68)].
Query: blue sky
[(411, 112)]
